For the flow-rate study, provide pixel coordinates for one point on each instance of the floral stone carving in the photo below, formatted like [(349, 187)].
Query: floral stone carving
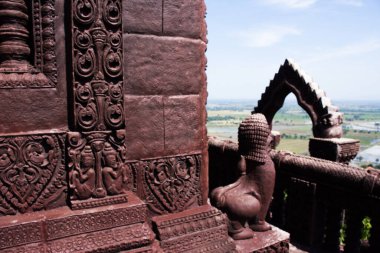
[(97, 57), (97, 167), (32, 173), (247, 200), (171, 184)]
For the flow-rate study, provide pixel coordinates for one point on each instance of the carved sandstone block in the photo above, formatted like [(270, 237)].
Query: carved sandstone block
[(97, 65), (16, 69), (97, 171), (144, 115), (341, 150), (272, 241), (71, 223), (185, 18), (142, 16), (30, 56), (163, 65), (200, 229), (112, 228), (26, 234), (23, 110), (183, 124), (111, 240), (170, 184), (32, 173)]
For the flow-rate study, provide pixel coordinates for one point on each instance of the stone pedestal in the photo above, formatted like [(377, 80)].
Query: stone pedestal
[(117, 228), (341, 150), (273, 241), (201, 229)]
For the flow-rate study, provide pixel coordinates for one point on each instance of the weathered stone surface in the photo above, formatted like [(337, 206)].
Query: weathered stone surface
[(274, 240), (334, 149), (103, 229), (143, 16), (200, 229), (144, 125), (183, 124), (163, 65), (33, 173), (185, 18), (32, 110)]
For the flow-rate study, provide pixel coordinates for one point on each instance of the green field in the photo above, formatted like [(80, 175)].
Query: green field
[(361, 121)]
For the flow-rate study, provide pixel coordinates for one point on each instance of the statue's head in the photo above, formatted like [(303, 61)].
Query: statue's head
[(87, 158), (253, 138), (110, 156)]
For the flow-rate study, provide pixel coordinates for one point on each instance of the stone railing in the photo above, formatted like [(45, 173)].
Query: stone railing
[(319, 202)]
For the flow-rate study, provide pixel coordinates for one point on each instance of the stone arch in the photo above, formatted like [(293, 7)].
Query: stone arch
[(326, 118)]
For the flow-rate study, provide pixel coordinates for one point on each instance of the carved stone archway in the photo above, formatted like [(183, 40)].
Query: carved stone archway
[(326, 118)]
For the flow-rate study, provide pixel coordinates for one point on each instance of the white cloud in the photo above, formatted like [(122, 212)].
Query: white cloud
[(348, 50), (266, 36), (293, 4), (356, 3)]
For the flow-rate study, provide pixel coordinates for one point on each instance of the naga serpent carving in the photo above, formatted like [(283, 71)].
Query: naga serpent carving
[(290, 78)]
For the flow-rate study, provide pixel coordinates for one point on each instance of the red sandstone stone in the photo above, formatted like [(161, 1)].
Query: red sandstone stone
[(183, 124), (143, 16), (274, 240), (185, 18), (32, 110), (163, 66), (144, 126)]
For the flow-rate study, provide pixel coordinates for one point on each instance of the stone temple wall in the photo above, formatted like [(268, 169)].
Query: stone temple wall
[(103, 143), (164, 80)]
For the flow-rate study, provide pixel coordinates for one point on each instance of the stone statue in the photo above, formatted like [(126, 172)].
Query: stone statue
[(247, 200), (115, 174), (82, 178)]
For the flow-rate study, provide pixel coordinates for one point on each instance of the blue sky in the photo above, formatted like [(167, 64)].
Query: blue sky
[(337, 42)]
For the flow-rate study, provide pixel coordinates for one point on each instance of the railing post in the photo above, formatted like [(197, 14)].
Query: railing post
[(278, 203), (301, 211), (353, 232), (333, 225), (374, 240)]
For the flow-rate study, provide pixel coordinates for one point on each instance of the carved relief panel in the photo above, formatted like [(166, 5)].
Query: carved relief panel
[(170, 184), (97, 64), (27, 56), (32, 173), (97, 168)]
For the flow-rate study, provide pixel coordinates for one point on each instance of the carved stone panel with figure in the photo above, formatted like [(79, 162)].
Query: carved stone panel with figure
[(97, 168)]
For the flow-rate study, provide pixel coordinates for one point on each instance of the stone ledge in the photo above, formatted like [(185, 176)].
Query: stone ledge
[(200, 229), (275, 240), (116, 227)]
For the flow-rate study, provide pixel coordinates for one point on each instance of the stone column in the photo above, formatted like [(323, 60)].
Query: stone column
[(15, 68), (14, 50)]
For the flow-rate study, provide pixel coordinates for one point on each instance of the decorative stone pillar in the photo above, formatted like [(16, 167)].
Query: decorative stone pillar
[(14, 50), (15, 68)]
